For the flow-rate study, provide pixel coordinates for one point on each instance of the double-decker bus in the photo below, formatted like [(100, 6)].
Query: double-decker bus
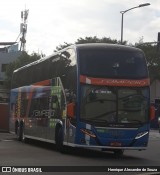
[(87, 95)]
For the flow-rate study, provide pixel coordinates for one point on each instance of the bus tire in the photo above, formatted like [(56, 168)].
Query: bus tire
[(59, 140), (118, 152), (16, 127), (20, 132)]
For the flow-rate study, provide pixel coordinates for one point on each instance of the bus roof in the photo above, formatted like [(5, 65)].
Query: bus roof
[(106, 46), (84, 46)]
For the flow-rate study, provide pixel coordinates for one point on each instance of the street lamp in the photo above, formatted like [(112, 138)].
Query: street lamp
[(122, 12)]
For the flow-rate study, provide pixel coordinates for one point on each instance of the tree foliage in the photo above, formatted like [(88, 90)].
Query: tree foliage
[(22, 60), (90, 40), (152, 58)]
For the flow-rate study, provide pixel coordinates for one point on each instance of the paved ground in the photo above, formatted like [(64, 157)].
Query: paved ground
[(154, 134), (7, 137)]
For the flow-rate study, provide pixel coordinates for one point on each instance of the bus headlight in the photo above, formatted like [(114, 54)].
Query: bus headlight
[(141, 134)]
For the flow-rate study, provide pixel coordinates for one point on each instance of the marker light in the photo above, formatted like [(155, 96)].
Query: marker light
[(88, 132), (141, 134)]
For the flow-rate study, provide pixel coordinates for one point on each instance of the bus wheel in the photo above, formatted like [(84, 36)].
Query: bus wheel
[(20, 132), (59, 140), (16, 127), (118, 152), (23, 139)]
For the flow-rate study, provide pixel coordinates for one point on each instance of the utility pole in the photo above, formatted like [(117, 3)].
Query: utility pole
[(23, 29)]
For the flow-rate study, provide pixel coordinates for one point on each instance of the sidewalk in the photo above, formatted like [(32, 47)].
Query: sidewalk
[(7, 136)]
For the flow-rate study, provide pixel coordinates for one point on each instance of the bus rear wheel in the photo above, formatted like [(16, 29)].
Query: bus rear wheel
[(20, 132)]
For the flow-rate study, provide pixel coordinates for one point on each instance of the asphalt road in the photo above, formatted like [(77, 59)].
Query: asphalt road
[(14, 153)]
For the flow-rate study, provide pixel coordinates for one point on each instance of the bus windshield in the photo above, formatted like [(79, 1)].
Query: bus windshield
[(110, 64), (103, 105)]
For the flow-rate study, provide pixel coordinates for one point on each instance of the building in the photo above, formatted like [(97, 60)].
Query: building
[(8, 53)]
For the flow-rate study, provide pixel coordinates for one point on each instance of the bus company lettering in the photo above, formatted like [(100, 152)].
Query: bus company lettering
[(114, 82), (43, 113), (125, 82)]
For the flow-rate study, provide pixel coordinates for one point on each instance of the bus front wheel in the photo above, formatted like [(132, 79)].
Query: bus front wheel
[(118, 152)]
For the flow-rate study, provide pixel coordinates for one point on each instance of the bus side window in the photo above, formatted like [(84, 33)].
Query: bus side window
[(52, 68)]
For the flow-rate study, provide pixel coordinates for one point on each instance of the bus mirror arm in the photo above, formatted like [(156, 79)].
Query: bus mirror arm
[(71, 110), (159, 121)]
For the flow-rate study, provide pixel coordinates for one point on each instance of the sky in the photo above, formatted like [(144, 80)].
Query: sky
[(53, 22)]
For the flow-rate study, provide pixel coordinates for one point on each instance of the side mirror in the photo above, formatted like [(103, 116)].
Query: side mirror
[(71, 110), (152, 112)]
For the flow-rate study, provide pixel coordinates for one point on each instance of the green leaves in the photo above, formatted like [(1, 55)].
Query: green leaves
[(90, 39), (153, 59), (22, 60)]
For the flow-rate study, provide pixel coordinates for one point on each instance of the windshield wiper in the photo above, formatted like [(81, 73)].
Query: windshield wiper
[(130, 120), (136, 121), (102, 115), (96, 121)]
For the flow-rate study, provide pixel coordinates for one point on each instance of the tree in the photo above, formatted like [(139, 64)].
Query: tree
[(152, 58), (97, 40), (22, 60), (90, 40), (62, 46)]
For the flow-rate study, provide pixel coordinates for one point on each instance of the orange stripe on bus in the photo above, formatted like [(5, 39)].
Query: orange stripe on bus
[(114, 82), (42, 83)]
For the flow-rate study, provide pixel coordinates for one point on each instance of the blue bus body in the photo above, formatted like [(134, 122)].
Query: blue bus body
[(108, 86)]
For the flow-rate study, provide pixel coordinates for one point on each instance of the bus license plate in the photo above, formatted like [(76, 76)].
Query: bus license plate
[(116, 144)]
